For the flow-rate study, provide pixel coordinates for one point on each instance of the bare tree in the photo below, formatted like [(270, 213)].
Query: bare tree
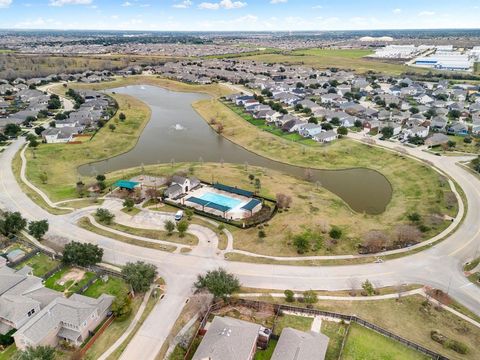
[(375, 241), (406, 235)]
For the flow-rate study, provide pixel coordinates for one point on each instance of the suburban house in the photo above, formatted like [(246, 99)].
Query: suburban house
[(295, 345), (60, 135), (310, 130), (228, 339), (71, 320), (436, 140), (22, 295), (180, 185), (458, 128), (326, 137)]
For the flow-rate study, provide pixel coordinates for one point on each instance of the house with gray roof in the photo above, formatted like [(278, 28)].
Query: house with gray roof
[(22, 295), (69, 319), (295, 345), (228, 339)]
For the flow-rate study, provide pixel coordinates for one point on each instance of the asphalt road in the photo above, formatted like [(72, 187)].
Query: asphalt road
[(439, 267)]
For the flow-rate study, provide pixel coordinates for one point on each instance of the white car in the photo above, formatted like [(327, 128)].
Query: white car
[(179, 215)]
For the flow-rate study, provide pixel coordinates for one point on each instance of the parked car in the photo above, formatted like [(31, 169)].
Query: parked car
[(179, 215)]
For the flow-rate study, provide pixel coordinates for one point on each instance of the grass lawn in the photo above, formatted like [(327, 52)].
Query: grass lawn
[(301, 323), (40, 263), (365, 344), (70, 286), (411, 319), (62, 174), (8, 353), (132, 211), (87, 225), (152, 301), (416, 187), (113, 332), (188, 239), (352, 59), (267, 353), (82, 203), (336, 332), (461, 146), (114, 286)]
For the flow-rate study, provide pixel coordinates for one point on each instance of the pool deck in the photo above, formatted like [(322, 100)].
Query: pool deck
[(234, 213)]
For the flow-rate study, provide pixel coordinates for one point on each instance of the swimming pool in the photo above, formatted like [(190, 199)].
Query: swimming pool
[(221, 200)]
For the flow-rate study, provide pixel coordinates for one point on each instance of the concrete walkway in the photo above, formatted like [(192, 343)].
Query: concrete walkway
[(130, 328), (33, 187)]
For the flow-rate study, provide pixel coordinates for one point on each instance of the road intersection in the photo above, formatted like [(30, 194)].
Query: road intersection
[(439, 266)]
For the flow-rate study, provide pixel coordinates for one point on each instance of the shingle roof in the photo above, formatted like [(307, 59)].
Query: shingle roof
[(228, 339), (298, 345)]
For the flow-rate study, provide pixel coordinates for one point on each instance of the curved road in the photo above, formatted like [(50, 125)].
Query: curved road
[(439, 267)]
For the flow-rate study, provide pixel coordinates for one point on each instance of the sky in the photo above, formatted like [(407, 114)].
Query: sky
[(239, 15)]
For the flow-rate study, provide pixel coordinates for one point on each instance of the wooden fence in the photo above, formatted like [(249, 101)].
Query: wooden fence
[(278, 308)]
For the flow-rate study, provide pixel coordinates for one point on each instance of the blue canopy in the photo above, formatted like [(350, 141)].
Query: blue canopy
[(233, 190), (251, 204), (125, 184), (208, 204)]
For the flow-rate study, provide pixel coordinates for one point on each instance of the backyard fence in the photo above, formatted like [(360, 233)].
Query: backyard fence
[(278, 308)]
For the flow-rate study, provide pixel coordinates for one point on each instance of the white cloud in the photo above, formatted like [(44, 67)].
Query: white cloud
[(426, 13), (278, 1), (127, 3), (69, 2), (224, 4), (397, 11), (317, 7), (5, 3), (185, 4)]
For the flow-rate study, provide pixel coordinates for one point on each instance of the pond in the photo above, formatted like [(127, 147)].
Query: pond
[(177, 133)]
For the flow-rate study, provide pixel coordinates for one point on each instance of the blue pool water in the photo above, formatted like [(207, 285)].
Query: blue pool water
[(221, 200)]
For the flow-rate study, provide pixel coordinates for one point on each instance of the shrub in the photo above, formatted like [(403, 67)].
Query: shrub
[(335, 232), (289, 296), (456, 346)]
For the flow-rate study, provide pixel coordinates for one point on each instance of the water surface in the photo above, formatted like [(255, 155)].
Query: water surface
[(177, 133)]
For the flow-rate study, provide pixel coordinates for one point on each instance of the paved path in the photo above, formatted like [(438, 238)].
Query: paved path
[(440, 266), (130, 328)]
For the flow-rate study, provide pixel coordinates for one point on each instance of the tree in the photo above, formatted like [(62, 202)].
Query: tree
[(82, 254), (451, 144), (122, 306), (169, 226), (342, 130), (38, 228), (35, 353), (302, 243), (43, 176), (12, 130), (112, 127), (251, 177), (38, 130), (12, 223), (122, 116), (368, 288), (358, 123), (189, 214), (283, 201), (407, 235), (289, 296), (262, 234), (476, 164), (218, 282), (335, 121), (387, 132), (182, 227), (33, 143), (129, 204), (335, 232), (310, 297), (257, 184), (100, 177), (375, 241), (139, 275), (104, 216)]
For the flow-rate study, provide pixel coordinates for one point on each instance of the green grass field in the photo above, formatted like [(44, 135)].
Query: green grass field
[(70, 286), (301, 323), (114, 286), (267, 353), (40, 263), (336, 58), (365, 344)]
